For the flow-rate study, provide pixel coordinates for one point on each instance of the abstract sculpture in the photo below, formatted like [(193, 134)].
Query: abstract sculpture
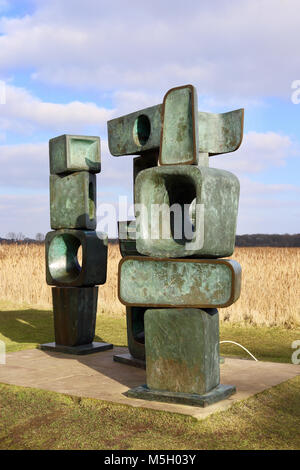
[(74, 160), (172, 277)]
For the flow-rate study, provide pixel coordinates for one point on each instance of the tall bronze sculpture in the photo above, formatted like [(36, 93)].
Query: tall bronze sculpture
[(74, 162), (173, 275)]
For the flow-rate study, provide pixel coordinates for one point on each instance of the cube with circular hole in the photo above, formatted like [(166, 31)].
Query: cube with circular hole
[(135, 133), (185, 211), (73, 201), (63, 264), (71, 153)]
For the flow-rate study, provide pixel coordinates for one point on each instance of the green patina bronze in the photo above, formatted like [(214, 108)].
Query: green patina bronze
[(73, 201), (135, 331), (74, 160), (135, 133), (71, 153), (186, 216), (62, 265), (179, 138), (148, 160), (182, 349), (178, 283), (75, 312), (177, 130), (127, 238), (221, 392), (211, 226), (220, 133)]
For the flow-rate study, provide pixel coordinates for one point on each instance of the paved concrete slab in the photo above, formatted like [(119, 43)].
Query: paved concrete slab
[(98, 376)]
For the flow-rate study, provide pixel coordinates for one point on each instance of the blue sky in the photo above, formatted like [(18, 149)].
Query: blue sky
[(68, 69)]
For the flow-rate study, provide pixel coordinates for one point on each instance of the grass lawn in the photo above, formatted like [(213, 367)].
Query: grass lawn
[(25, 328), (36, 419)]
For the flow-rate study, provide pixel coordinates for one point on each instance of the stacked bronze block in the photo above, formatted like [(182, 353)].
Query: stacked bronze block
[(173, 277), (74, 162)]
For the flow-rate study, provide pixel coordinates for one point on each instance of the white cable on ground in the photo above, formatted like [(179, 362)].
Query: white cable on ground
[(233, 342)]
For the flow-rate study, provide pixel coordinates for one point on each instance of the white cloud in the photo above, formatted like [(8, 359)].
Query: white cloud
[(24, 213), (4, 5), (25, 113), (234, 52), (258, 152), (257, 215), (272, 207), (264, 207), (237, 48), (250, 187), (129, 101), (268, 207), (25, 166)]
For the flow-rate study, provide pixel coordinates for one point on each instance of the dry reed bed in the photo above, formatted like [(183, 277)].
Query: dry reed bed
[(270, 288)]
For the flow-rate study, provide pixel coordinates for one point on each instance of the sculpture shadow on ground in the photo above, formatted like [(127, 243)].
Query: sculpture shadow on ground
[(26, 328)]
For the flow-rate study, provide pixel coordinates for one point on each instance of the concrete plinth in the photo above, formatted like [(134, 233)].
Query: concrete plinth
[(81, 350), (98, 376)]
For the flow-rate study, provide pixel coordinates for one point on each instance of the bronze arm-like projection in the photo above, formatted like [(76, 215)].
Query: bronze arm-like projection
[(140, 132)]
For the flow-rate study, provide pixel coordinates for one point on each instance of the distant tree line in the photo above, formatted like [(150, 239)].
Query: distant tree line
[(19, 237), (258, 239)]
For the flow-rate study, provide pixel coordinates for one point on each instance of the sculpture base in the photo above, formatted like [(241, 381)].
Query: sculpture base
[(74, 314), (77, 350), (129, 360), (221, 392)]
